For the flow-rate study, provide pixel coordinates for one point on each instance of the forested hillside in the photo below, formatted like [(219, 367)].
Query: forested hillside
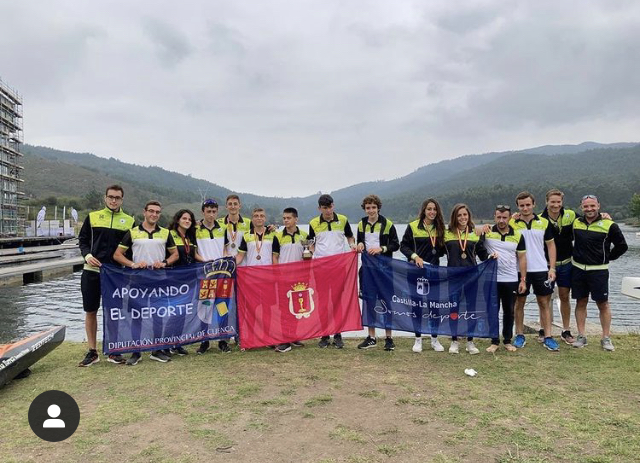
[(610, 171)]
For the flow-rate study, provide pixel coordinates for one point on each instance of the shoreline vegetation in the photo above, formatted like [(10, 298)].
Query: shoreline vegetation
[(328, 405)]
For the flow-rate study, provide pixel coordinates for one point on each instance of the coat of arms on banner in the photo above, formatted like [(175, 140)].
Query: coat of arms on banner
[(301, 300), (422, 286), (209, 290)]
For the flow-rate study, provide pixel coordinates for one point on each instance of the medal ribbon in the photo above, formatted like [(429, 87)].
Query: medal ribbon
[(258, 246), (433, 238), (187, 245), (230, 227), (463, 246)]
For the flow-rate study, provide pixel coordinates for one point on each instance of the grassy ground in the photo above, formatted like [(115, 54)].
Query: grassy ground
[(313, 405)]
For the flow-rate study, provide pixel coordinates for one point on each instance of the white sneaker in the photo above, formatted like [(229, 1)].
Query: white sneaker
[(435, 345), (471, 348), (417, 345), (454, 348)]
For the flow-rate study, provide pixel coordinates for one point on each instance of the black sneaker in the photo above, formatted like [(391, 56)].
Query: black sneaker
[(337, 341), (367, 343), (283, 348), (324, 342), (388, 344), (567, 337), (181, 351), (297, 344), (167, 352), (89, 359), (159, 356), (204, 346), (224, 346), (117, 358), (134, 359)]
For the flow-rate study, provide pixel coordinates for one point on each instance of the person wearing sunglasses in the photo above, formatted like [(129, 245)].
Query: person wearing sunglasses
[(597, 241), (98, 239), (561, 220)]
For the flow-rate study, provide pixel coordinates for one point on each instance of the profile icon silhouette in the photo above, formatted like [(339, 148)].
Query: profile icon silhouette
[(54, 422), (54, 416)]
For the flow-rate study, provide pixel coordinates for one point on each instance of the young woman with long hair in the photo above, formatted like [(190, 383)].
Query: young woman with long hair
[(423, 244), (462, 246), (183, 232)]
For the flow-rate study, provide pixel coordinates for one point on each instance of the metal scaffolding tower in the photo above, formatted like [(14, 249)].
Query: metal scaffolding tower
[(10, 143)]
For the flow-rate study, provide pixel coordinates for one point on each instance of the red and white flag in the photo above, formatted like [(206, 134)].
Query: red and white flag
[(299, 300)]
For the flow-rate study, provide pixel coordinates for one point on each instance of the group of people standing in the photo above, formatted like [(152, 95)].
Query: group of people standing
[(532, 250)]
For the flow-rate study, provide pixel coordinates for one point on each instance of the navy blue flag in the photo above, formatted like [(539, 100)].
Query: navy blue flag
[(158, 309), (451, 301)]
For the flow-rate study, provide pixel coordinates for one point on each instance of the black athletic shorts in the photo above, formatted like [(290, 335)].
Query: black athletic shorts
[(90, 287), (563, 275), (539, 282), (594, 282)]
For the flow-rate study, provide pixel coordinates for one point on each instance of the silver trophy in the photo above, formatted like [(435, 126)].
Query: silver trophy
[(306, 252)]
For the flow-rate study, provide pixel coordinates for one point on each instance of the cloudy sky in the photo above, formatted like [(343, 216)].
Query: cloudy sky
[(291, 97)]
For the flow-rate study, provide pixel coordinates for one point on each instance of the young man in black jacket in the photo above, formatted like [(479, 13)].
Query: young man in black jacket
[(376, 236), (99, 237)]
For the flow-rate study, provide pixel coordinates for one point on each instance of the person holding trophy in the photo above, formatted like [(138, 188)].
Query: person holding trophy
[(294, 246)]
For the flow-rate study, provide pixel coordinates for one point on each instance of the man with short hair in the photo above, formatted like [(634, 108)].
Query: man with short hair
[(594, 237), (211, 237), (212, 241), (510, 247), (538, 233), (376, 236), (149, 244), (235, 226), (99, 237), (289, 241), (329, 230), (258, 246), (561, 220)]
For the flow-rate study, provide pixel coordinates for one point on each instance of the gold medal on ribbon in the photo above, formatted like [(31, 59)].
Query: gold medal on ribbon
[(463, 245), (433, 238), (259, 243), (232, 233)]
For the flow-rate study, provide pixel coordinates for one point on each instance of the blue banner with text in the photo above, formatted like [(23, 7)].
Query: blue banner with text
[(450, 301), (159, 309)]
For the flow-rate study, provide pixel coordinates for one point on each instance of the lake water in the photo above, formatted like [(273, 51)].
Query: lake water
[(34, 307)]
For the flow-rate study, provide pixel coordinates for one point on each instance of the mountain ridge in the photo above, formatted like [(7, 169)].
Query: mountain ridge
[(85, 171)]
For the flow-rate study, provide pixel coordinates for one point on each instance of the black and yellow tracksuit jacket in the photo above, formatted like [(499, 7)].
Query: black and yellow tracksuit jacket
[(101, 233)]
